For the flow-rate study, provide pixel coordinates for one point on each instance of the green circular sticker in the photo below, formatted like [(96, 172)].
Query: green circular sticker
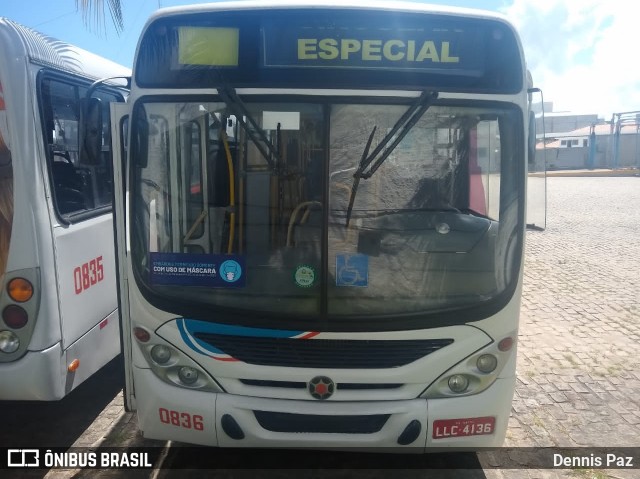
[(304, 276)]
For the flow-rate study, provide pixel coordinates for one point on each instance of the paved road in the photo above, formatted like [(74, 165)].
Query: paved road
[(578, 357), (579, 343)]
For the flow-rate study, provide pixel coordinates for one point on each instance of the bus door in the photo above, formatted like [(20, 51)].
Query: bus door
[(194, 144), (536, 179), (119, 124), (83, 229)]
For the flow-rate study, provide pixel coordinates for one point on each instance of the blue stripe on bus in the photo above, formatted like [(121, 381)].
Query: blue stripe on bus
[(189, 327), (194, 326), (186, 337), (201, 346)]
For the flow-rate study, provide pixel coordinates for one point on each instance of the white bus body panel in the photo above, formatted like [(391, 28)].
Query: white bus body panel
[(31, 242), (88, 242), (68, 326), (43, 375)]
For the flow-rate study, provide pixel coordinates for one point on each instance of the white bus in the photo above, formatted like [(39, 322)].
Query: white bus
[(58, 299), (321, 243)]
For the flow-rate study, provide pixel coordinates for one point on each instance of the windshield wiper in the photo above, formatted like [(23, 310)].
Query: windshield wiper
[(256, 134), (404, 124), (402, 127), (356, 179)]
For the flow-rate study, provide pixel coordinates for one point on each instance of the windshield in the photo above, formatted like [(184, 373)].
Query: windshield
[(225, 222)]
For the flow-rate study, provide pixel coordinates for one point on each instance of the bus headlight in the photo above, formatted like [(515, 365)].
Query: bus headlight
[(476, 372), (188, 375), (487, 363), (169, 364), (160, 354), (458, 383), (9, 342)]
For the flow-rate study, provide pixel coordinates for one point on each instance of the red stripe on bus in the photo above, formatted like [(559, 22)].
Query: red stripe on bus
[(309, 335)]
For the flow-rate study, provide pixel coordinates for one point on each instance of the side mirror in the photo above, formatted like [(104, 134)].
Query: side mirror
[(90, 131)]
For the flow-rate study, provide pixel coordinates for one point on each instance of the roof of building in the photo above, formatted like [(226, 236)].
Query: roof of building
[(583, 133), (600, 130)]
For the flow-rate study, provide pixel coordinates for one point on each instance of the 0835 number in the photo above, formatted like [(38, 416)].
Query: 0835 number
[(88, 274)]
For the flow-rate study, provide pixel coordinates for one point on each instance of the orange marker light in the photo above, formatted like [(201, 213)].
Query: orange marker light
[(74, 365), (20, 290)]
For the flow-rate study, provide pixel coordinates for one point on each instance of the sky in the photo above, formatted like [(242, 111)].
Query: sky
[(581, 53)]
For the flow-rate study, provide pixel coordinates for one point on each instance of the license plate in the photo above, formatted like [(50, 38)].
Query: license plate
[(471, 426)]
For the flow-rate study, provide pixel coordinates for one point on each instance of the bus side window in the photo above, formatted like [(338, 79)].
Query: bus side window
[(68, 185), (78, 186)]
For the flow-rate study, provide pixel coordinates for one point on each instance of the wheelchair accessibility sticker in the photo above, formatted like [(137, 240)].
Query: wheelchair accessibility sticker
[(352, 270)]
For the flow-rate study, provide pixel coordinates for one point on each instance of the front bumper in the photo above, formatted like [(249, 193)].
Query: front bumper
[(172, 413)]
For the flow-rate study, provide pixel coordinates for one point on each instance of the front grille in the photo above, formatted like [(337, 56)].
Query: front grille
[(367, 386), (323, 353), (302, 385), (274, 384), (310, 423)]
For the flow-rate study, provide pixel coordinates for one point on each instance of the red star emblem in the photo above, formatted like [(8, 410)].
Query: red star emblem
[(321, 387)]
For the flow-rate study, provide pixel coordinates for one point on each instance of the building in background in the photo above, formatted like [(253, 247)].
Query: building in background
[(587, 142)]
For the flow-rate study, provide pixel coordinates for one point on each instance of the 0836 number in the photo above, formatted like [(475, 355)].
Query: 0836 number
[(181, 419)]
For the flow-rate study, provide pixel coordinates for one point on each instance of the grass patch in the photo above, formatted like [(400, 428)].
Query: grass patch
[(538, 422), (614, 370), (571, 359)]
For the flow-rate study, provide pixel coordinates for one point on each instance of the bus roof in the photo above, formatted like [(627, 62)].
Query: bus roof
[(51, 52), (314, 4)]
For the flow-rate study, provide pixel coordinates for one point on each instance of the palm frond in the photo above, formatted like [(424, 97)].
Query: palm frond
[(95, 9)]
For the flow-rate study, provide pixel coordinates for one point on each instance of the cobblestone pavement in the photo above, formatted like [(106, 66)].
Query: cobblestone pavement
[(579, 341), (579, 345)]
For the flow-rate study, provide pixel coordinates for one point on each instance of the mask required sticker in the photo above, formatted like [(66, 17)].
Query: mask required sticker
[(187, 269)]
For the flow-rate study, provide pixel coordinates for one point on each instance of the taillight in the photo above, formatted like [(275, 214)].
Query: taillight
[(14, 316), (20, 290)]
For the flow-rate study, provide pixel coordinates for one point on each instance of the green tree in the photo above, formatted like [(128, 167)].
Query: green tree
[(96, 9)]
